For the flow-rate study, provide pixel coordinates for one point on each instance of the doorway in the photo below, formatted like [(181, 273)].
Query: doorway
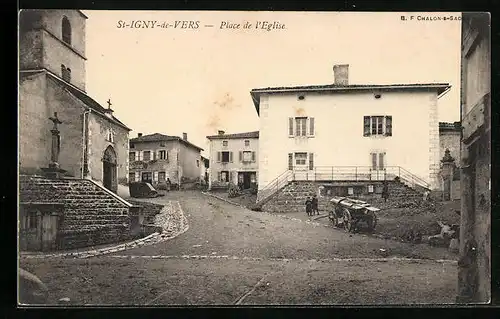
[(109, 179), (39, 227), (246, 179)]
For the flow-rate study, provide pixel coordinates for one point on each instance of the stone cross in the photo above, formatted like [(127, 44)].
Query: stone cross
[(56, 141), (109, 103)]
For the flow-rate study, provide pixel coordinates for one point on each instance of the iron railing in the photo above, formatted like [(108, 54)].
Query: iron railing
[(342, 173)]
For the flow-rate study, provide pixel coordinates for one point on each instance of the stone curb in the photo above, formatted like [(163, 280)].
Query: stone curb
[(170, 230), (223, 199)]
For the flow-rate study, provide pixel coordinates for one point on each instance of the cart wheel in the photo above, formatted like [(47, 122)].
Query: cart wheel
[(333, 218), (347, 221), (372, 221)]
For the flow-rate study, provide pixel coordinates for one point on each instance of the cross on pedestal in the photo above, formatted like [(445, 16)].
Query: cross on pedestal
[(56, 121), (109, 103), (53, 170)]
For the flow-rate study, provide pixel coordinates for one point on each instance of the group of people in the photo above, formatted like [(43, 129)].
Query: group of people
[(312, 206)]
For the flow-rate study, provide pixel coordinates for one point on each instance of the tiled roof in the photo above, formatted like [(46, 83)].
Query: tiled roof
[(157, 137), (446, 126), (254, 134), (79, 94), (255, 93)]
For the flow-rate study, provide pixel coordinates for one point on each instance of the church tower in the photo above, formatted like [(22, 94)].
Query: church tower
[(54, 40)]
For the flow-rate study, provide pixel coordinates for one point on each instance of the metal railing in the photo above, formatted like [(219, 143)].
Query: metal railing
[(342, 173)]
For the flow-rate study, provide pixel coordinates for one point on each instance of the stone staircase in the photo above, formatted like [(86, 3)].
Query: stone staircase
[(292, 197), (92, 215)]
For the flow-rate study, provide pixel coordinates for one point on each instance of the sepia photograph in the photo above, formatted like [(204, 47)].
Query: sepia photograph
[(253, 158)]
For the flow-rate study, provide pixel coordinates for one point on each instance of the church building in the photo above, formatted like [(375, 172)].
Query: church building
[(93, 143)]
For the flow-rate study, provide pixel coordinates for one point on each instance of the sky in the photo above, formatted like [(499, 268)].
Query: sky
[(173, 80)]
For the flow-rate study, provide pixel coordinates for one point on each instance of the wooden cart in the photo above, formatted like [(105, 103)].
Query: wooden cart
[(352, 214)]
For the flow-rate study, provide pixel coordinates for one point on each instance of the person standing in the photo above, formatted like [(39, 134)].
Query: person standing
[(385, 192), (309, 206), (314, 203)]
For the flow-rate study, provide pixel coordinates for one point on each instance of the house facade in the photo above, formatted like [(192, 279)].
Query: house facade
[(156, 158), (234, 158), (342, 131), (93, 142), (475, 160)]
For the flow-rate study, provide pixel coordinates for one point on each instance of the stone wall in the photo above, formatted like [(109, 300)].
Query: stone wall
[(292, 197), (91, 215)]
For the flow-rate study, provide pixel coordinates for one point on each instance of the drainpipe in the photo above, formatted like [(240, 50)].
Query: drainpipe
[(84, 139)]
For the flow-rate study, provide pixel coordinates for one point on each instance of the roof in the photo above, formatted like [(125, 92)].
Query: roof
[(253, 134), (446, 126), (255, 93), (79, 94), (157, 137)]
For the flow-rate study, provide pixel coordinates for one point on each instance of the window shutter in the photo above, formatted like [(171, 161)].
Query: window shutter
[(253, 156), (311, 161), (230, 177), (231, 157), (219, 176), (137, 176), (366, 126), (141, 155), (154, 155), (218, 157), (374, 160), (388, 125), (155, 176), (290, 126), (311, 126), (290, 161), (137, 156), (381, 160), (241, 156), (166, 154)]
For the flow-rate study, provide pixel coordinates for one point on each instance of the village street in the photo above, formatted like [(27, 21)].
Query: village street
[(231, 255)]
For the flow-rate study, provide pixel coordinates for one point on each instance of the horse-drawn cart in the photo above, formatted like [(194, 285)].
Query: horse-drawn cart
[(351, 214)]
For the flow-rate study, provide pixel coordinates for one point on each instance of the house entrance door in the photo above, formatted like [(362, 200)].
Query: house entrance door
[(109, 179)]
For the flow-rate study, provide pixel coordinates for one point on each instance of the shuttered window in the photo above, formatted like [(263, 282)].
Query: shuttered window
[(311, 126), (300, 126), (377, 125), (378, 160), (311, 161), (131, 156), (146, 156), (290, 161)]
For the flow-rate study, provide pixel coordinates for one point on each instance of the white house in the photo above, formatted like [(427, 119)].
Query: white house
[(233, 158), (340, 131)]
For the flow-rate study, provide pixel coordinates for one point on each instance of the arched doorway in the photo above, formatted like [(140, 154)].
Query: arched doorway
[(109, 179)]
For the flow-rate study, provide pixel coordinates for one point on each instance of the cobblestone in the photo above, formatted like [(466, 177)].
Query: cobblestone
[(171, 219)]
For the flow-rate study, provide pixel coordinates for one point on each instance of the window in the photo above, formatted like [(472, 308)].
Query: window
[(224, 143), (224, 176), (146, 156), (224, 157), (377, 125), (301, 126), (131, 156), (65, 73), (132, 145), (247, 156), (300, 159), (161, 176), (66, 30), (350, 191), (378, 160), (32, 220), (247, 143), (162, 154), (147, 177), (162, 144), (110, 136), (370, 189), (131, 177)]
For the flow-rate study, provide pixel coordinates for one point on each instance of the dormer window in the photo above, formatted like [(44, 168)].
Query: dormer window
[(65, 73), (66, 30)]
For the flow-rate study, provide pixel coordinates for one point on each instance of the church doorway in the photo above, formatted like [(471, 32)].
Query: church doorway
[(109, 179)]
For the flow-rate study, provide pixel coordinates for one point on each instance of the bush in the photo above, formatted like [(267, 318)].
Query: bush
[(233, 191)]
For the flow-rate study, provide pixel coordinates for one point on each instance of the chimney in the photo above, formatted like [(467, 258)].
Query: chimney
[(139, 134), (221, 132), (341, 74), (185, 136)]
